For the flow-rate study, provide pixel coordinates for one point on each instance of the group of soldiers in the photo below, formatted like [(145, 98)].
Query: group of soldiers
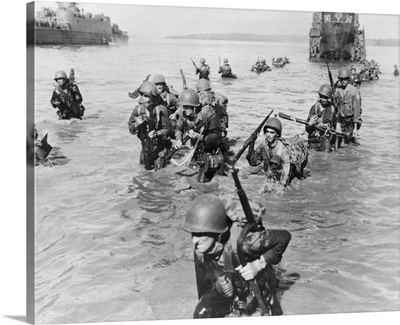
[(204, 70), (234, 254), (262, 66)]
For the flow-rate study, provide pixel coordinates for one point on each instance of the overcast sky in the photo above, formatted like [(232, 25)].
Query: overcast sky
[(158, 19)]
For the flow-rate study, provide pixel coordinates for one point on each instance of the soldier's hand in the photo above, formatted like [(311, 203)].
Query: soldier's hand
[(249, 271), (152, 134), (178, 144), (139, 119), (56, 102), (193, 134), (313, 120)]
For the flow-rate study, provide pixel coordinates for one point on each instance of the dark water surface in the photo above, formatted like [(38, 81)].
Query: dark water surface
[(109, 244)]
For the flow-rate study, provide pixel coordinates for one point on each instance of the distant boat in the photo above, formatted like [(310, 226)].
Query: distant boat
[(69, 25), (337, 36)]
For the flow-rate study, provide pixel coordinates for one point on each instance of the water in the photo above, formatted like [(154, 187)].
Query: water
[(109, 244)]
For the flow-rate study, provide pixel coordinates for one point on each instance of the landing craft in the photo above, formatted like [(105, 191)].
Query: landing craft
[(69, 25), (337, 36)]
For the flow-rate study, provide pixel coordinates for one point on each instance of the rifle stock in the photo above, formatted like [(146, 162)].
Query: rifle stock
[(251, 138), (274, 308)]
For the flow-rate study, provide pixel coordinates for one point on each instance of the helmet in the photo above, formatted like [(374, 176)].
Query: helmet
[(325, 90), (158, 79), (344, 73), (60, 74), (274, 124), (202, 60), (203, 85), (263, 61), (226, 60), (148, 88), (171, 100), (207, 214), (189, 97)]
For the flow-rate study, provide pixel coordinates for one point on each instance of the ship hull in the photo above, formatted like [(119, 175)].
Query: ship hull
[(50, 36), (336, 36)]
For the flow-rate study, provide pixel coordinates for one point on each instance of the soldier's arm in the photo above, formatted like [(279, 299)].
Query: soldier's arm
[(285, 167)]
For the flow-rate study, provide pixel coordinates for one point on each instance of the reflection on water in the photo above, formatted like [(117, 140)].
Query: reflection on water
[(109, 243)]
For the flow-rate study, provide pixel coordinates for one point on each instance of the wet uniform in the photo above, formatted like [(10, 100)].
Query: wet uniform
[(64, 111)]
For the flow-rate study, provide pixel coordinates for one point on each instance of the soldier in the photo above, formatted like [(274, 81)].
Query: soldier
[(222, 283), (204, 70), (66, 98), (150, 122), (396, 71), (348, 99), (164, 91), (226, 71), (219, 103), (321, 113), (272, 153)]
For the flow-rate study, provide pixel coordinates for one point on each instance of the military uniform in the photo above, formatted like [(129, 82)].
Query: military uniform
[(65, 110)]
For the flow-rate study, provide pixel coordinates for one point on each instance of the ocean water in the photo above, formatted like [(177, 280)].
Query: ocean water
[(108, 239)]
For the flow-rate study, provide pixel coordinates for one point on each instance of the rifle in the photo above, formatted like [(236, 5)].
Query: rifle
[(219, 60), (135, 94), (274, 307), (185, 139), (332, 84), (148, 145), (194, 64), (333, 98), (185, 86), (322, 128), (252, 137)]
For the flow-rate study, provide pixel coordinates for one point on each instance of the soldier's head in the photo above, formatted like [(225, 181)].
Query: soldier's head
[(272, 130), (189, 100), (159, 81), (325, 93), (202, 61), (207, 221), (204, 91), (148, 92), (225, 61), (344, 77), (60, 77)]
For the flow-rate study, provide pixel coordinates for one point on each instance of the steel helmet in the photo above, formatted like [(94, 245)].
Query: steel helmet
[(158, 79), (344, 73), (202, 60), (189, 97), (263, 61), (148, 88), (226, 60), (206, 214), (203, 85), (325, 90), (60, 74), (274, 124)]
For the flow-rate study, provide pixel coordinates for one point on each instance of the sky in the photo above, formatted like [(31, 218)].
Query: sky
[(158, 19)]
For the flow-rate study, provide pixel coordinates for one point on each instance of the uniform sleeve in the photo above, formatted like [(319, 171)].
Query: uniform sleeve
[(76, 94), (356, 106), (132, 124), (55, 97), (163, 126), (310, 129), (269, 243), (255, 157), (285, 166)]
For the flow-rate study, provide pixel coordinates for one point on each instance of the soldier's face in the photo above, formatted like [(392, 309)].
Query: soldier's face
[(270, 135), (160, 87), (344, 82), (202, 242), (60, 81)]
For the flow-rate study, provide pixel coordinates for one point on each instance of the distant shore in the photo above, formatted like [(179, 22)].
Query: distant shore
[(272, 38)]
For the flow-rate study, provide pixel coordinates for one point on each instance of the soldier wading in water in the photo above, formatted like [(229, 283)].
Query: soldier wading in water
[(222, 282), (150, 122)]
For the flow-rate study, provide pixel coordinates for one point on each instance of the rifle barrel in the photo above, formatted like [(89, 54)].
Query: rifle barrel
[(251, 138)]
